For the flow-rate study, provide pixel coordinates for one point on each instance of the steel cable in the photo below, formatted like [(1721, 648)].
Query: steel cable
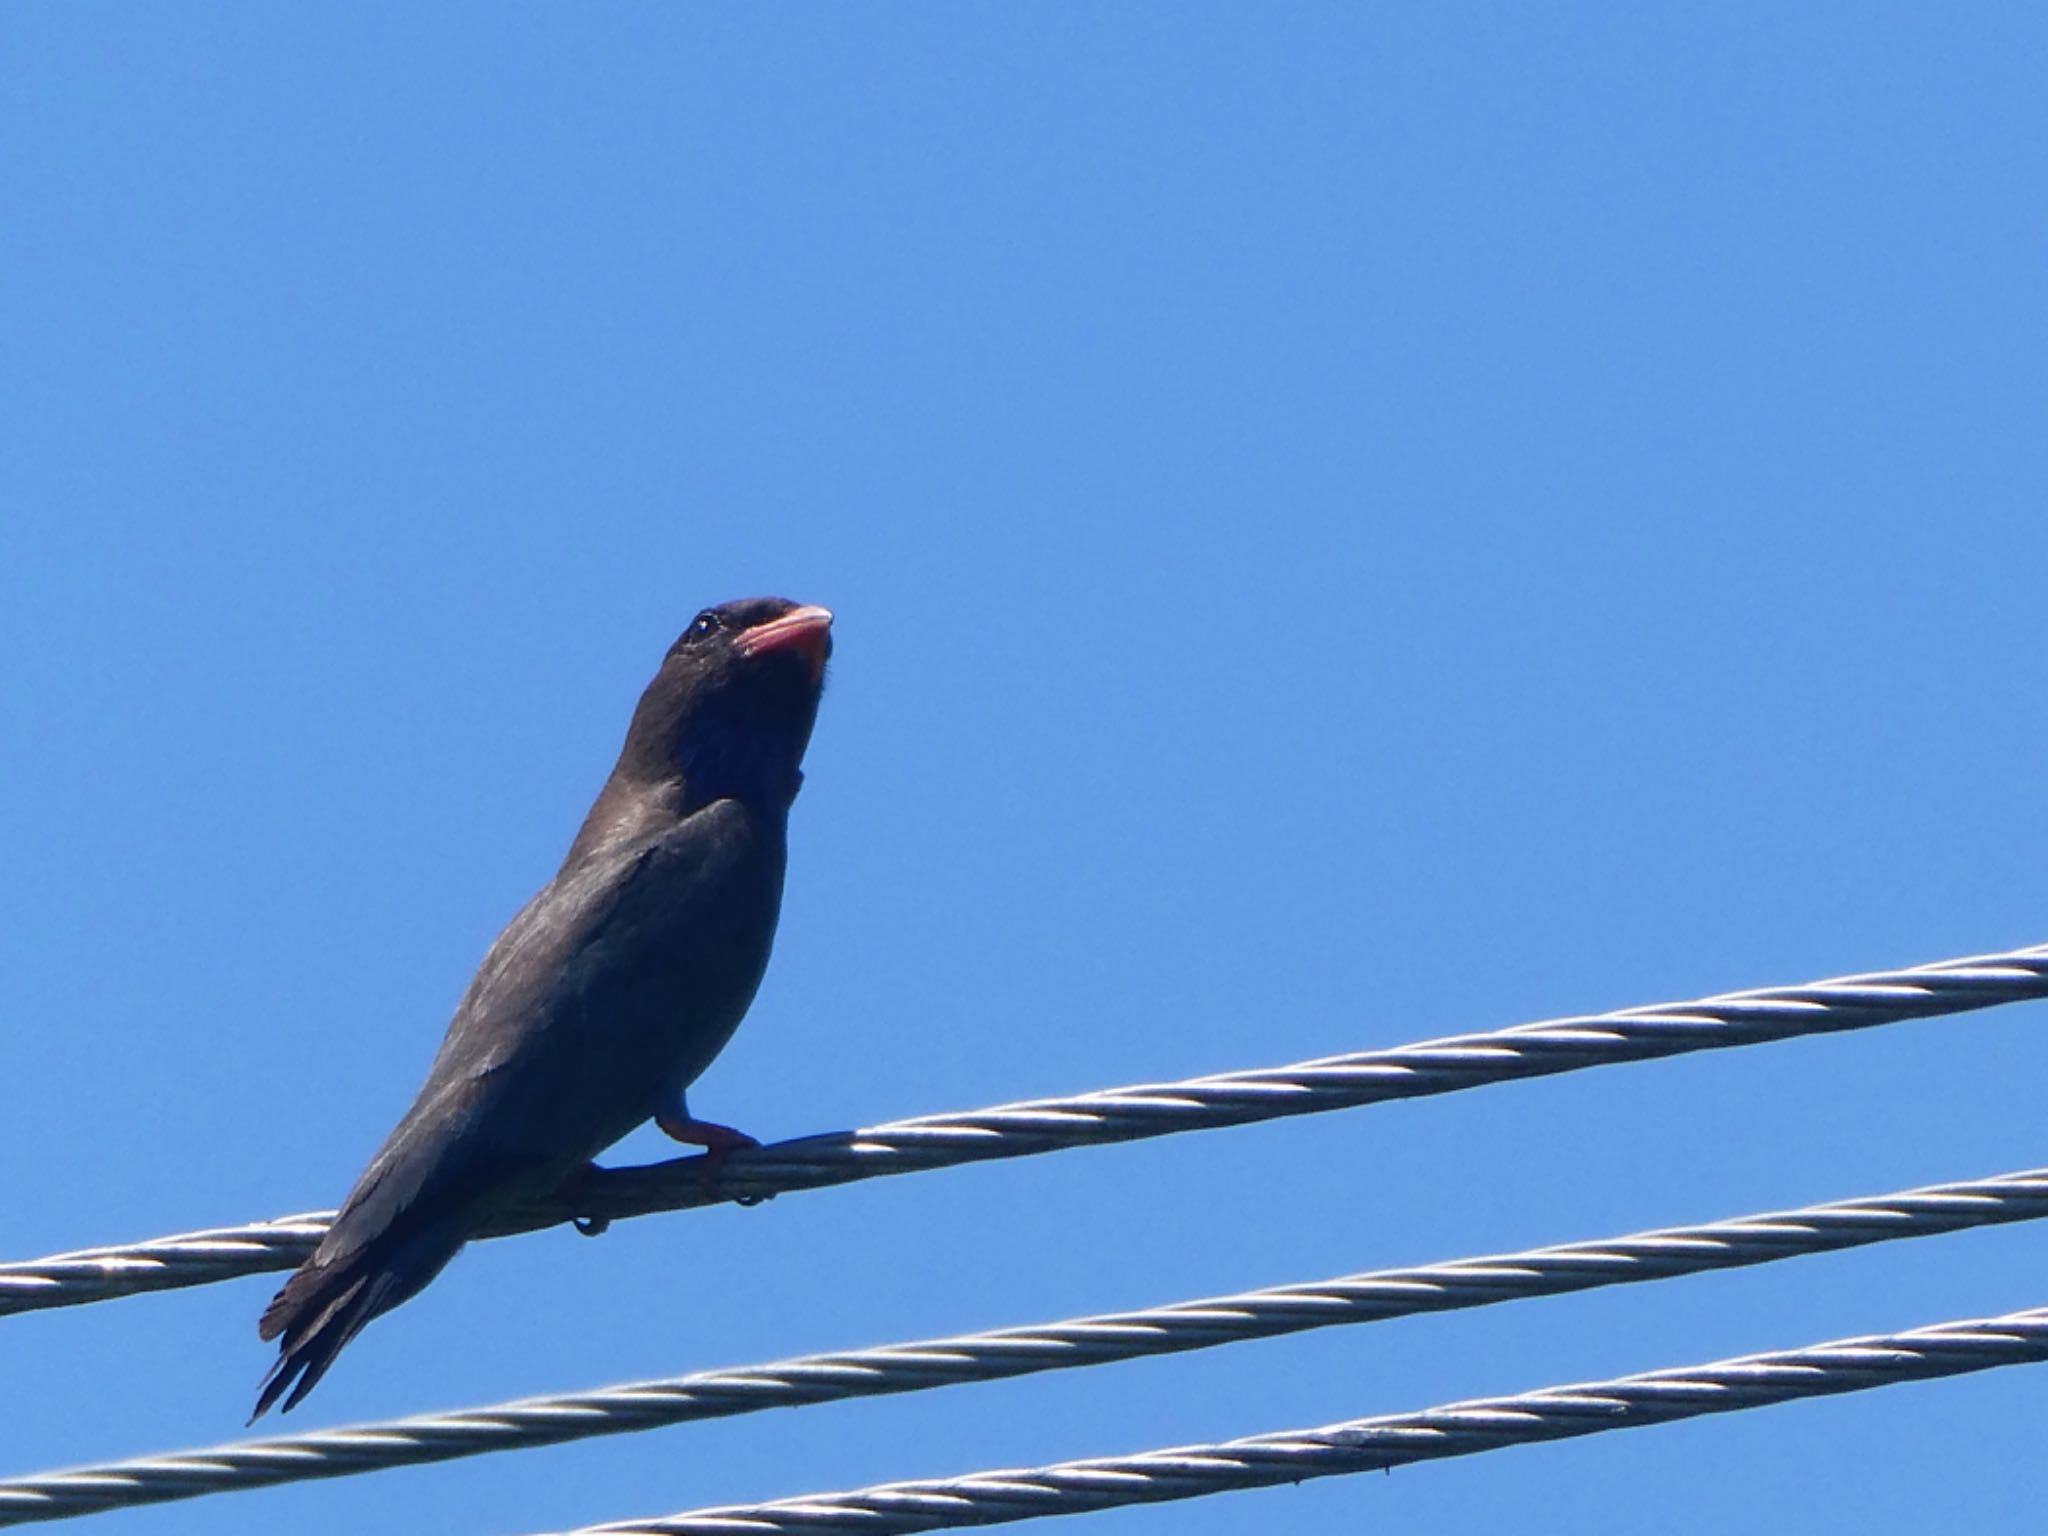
[(1375, 1444), (1111, 1115), (1023, 1351)]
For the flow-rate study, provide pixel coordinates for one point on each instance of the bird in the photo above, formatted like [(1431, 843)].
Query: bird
[(606, 995)]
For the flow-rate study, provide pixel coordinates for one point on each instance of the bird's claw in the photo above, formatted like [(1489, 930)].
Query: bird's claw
[(571, 1187)]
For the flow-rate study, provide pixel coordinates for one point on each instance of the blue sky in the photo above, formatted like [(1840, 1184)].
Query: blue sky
[(1347, 524)]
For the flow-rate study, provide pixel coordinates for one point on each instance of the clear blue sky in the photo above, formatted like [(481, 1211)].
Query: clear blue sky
[(1348, 524)]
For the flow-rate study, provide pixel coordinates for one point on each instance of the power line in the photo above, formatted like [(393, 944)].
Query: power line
[(1370, 1445), (1024, 1351), (1112, 1115), (163, 1263)]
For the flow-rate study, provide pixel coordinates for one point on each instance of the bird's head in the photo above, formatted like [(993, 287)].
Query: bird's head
[(730, 712)]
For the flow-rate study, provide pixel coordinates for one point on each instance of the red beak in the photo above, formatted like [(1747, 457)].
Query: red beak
[(807, 631)]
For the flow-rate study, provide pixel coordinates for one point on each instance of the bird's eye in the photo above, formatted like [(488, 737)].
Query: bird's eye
[(706, 623)]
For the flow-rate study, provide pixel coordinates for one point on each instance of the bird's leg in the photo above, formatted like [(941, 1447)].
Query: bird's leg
[(680, 1125)]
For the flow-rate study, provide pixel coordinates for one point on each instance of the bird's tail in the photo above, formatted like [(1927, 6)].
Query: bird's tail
[(325, 1304)]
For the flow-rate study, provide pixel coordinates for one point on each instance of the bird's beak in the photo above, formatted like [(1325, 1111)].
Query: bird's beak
[(807, 631)]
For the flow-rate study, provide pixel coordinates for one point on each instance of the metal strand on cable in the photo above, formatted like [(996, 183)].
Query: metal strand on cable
[(1371, 1445), (1112, 1115), (1023, 1351)]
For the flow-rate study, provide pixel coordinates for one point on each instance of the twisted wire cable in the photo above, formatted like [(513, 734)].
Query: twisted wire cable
[(1024, 1351), (190, 1258), (1370, 1445), (1110, 1115)]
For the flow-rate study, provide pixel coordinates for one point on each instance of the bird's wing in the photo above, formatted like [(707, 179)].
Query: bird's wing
[(495, 1098), (507, 1110)]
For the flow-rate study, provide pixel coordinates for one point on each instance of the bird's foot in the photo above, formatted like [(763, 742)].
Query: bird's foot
[(716, 1140)]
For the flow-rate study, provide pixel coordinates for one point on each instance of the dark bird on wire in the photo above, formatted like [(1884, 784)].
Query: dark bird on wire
[(606, 996)]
